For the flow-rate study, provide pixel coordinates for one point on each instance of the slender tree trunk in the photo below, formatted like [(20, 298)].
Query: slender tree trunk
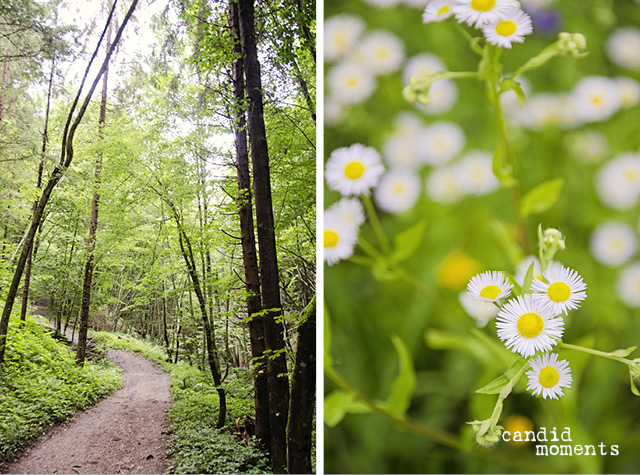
[(66, 157), (249, 256), (303, 391), (3, 88), (93, 225), (45, 141), (273, 331)]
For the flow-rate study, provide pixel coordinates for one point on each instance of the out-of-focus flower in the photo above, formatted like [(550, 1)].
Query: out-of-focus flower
[(442, 142), (383, 3), (596, 98), (523, 267), (546, 21), (350, 210), (527, 327), (334, 110), (623, 47), (398, 190), (437, 11), (508, 28), (481, 312), (618, 181), (443, 185), (350, 83), (341, 33), (354, 170), (628, 285), (588, 146), (456, 269), (479, 12), (548, 376), (476, 173), (380, 52), (339, 237), (629, 90), (443, 93), (517, 424), (613, 243), (563, 291), (489, 286)]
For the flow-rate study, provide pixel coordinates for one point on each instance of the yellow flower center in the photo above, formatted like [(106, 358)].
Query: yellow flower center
[(398, 189), (483, 5), (443, 11), (596, 99), (490, 292), (530, 325), (548, 377), (354, 170), (382, 53), (630, 175), (506, 28), (559, 292), (352, 81), (330, 238), (456, 269)]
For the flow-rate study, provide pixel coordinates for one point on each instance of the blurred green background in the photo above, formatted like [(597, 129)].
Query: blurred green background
[(449, 360)]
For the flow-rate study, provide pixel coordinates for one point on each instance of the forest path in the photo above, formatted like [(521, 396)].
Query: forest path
[(124, 433)]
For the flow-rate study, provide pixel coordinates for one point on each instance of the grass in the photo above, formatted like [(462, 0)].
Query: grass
[(40, 385)]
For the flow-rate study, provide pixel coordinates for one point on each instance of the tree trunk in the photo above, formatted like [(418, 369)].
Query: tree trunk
[(3, 88), (66, 157), (45, 141), (274, 341), (93, 225), (249, 256), (303, 391)]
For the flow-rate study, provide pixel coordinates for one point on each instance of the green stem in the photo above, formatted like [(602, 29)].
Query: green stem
[(590, 351), (362, 260), (369, 248), (375, 224)]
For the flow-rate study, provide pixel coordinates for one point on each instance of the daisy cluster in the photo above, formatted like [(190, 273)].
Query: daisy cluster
[(531, 324), (614, 243), (502, 22), (358, 58), (593, 99)]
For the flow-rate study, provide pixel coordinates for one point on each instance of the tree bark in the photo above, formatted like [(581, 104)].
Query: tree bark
[(93, 225), (249, 256), (270, 295), (303, 390), (66, 157)]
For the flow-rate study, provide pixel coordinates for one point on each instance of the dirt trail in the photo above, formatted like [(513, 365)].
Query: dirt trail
[(124, 433)]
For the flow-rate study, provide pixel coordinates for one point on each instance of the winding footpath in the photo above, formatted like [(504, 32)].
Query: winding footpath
[(126, 432)]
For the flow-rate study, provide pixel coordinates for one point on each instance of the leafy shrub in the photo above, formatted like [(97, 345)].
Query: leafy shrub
[(40, 384)]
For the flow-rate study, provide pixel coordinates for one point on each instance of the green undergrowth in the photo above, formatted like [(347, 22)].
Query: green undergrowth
[(197, 446), (40, 384)]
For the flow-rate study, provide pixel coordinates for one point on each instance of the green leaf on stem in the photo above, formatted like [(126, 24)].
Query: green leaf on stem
[(528, 278), (336, 406), (509, 84), (542, 197), (407, 242), (405, 383), (496, 386), (328, 360), (624, 352), (502, 170)]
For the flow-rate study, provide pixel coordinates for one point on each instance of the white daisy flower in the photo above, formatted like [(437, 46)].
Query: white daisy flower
[(523, 267), (623, 47), (588, 146), (350, 210), (340, 237), (334, 111), (341, 34), (629, 90), (476, 173), (527, 327), (508, 28), (628, 285), (613, 243), (443, 185), (443, 93), (398, 190), (383, 3), (489, 286), (380, 52), (402, 148), (542, 111), (353, 170), (548, 376), (563, 291), (482, 312), (441, 142), (478, 12), (596, 98), (618, 181), (350, 83), (437, 11)]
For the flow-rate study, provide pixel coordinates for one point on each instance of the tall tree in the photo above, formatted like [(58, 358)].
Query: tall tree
[(66, 157), (269, 278)]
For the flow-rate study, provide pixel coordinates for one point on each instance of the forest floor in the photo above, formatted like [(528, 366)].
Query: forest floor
[(126, 432)]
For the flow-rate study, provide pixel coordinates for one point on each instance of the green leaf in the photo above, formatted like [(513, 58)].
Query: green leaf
[(443, 340), (502, 171), (509, 84), (328, 360), (528, 278), (405, 383), (495, 386), (542, 197), (336, 406), (634, 388), (407, 242), (517, 290), (624, 352)]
